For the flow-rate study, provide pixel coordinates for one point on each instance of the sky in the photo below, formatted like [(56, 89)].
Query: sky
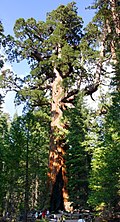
[(11, 10)]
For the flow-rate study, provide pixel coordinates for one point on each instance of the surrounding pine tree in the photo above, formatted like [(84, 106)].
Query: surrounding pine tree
[(24, 163), (4, 146), (103, 144), (105, 168), (77, 158)]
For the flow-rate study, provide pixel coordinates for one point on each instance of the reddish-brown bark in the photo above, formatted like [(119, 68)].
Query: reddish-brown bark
[(57, 149)]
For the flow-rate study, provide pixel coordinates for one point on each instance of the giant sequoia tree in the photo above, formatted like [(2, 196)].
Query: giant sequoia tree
[(56, 59)]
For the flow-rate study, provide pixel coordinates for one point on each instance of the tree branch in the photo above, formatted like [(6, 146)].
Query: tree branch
[(70, 96)]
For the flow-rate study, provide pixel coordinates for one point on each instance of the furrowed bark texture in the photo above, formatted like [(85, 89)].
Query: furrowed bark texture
[(57, 170), (115, 15)]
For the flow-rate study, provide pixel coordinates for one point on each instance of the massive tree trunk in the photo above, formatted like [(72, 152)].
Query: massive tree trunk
[(115, 15), (114, 27), (114, 31), (57, 170)]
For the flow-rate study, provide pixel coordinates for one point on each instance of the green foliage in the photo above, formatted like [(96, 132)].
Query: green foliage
[(90, 43), (4, 145), (24, 133), (103, 144), (36, 133), (66, 24), (77, 159), (39, 43), (104, 135)]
